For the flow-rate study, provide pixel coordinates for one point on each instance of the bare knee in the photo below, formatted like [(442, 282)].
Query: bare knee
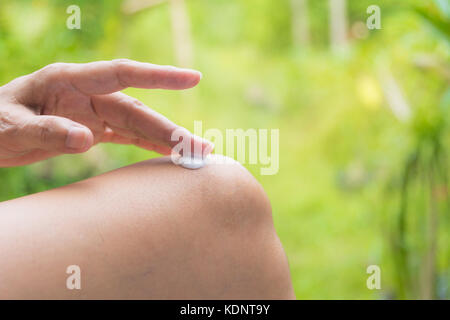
[(239, 245), (194, 234), (150, 230), (232, 198)]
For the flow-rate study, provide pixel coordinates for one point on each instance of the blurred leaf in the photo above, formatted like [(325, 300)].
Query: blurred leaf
[(438, 19), (444, 7)]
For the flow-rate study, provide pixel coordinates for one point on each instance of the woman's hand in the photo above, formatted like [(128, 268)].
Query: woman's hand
[(67, 108)]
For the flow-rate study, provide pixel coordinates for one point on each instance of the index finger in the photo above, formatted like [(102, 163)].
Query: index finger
[(102, 77), (132, 119)]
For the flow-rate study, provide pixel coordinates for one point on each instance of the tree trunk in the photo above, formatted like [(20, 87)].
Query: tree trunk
[(338, 23), (134, 6), (181, 33), (300, 22)]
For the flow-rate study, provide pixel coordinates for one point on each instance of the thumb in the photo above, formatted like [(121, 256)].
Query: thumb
[(52, 133)]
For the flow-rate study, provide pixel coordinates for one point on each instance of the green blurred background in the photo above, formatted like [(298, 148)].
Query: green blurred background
[(363, 117)]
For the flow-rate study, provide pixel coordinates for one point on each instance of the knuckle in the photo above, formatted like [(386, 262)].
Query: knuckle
[(8, 127), (53, 70), (136, 110), (130, 118), (120, 62), (44, 131), (11, 133), (137, 103), (55, 67), (119, 67), (130, 121)]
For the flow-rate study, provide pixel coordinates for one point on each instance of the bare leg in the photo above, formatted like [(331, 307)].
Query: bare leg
[(150, 230)]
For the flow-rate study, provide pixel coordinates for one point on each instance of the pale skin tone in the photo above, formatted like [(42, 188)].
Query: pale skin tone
[(152, 230)]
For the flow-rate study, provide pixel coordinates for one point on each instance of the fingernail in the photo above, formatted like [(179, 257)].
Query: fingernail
[(76, 138)]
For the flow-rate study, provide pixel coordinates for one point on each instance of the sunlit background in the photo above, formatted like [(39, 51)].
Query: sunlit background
[(363, 118)]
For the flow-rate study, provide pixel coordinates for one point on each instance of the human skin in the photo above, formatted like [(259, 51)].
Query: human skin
[(69, 107), (152, 230)]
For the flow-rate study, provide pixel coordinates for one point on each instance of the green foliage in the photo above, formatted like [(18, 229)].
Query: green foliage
[(437, 17)]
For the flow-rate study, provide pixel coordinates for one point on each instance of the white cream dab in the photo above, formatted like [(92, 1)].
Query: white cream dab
[(192, 163)]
